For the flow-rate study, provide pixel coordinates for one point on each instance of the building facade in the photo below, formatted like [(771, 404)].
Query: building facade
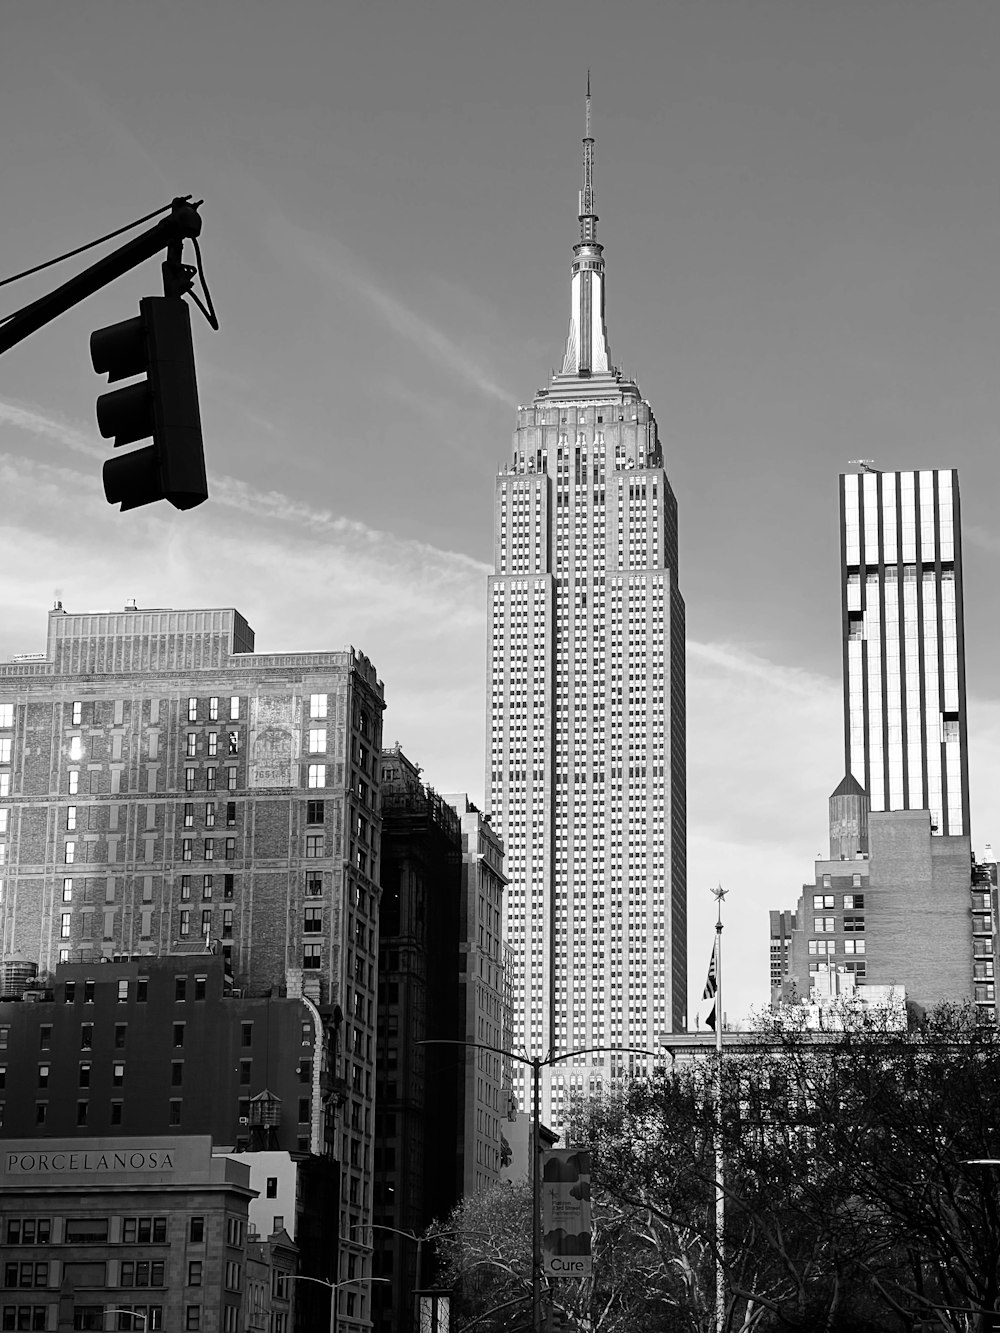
[(905, 731), (586, 730), (782, 925), (440, 1107), (163, 785), (123, 1233)]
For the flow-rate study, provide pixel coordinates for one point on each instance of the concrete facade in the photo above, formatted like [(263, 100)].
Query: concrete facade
[(96, 1232)]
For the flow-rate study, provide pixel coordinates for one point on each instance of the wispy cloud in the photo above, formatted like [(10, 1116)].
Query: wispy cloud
[(336, 264), (35, 422)]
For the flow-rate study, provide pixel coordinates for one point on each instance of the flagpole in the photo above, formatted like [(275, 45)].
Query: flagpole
[(720, 1159)]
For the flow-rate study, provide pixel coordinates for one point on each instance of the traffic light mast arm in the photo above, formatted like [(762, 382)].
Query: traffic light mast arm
[(181, 222)]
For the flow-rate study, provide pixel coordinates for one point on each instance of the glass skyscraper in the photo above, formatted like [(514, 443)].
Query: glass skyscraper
[(586, 765), (904, 649)]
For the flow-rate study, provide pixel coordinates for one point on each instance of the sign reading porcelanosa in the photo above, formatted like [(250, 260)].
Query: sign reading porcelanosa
[(54, 1161)]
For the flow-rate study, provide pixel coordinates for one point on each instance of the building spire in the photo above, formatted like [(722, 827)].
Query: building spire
[(587, 350)]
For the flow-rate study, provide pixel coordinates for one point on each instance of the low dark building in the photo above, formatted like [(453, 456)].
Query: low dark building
[(120, 1051)]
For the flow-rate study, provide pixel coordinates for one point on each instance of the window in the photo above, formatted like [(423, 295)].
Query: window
[(77, 712), (314, 812), (195, 1268), (192, 744), (180, 988), (187, 849), (230, 849), (86, 1230), (116, 1112), (185, 887), (192, 710), (234, 743), (824, 923), (210, 814), (317, 740), (312, 956), (86, 1036), (43, 1075), (854, 901), (314, 845), (118, 1074), (65, 921), (821, 900), (234, 708), (200, 987), (196, 1227), (69, 854), (189, 814), (230, 814), (74, 781), (207, 883), (174, 1117), (6, 715), (121, 1032), (227, 923), (316, 776), (29, 1230), (209, 849), (314, 886), (213, 708), (71, 817), (313, 924), (206, 921), (228, 886), (123, 990), (213, 744), (231, 778), (854, 925), (192, 1318), (189, 778), (211, 774), (178, 1034)]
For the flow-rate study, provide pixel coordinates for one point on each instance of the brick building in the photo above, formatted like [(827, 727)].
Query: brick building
[(163, 785)]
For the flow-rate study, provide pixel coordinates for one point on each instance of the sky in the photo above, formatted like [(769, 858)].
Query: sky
[(799, 208)]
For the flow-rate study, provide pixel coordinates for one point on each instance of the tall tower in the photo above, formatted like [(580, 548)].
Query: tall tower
[(586, 765), (904, 646)]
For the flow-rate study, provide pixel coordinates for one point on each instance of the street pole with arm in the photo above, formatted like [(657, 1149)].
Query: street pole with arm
[(535, 1063)]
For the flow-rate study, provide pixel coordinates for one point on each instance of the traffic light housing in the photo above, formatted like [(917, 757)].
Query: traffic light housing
[(164, 405)]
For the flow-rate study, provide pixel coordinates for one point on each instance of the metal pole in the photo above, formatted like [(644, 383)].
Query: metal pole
[(720, 1159), (182, 221), (536, 1201)]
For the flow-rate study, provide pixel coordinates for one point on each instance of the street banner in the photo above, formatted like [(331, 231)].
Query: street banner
[(566, 1221)]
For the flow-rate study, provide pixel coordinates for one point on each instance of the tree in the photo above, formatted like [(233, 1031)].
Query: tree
[(850, 1202)]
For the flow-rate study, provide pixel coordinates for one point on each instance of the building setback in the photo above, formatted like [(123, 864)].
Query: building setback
[(586, 730), (439, 1107), (162, 784)]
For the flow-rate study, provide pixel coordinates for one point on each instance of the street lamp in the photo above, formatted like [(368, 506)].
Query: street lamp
[(536, 1063), (334, 1288), (409, 1235)]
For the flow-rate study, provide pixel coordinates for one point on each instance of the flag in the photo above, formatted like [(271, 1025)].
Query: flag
[(711, 987)]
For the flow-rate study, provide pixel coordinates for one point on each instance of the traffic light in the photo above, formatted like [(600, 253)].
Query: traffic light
[(164, 405)]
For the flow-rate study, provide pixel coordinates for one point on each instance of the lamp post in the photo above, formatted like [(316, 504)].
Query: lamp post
[(536, 1063), (334, 1288), (409, 1235), (136, 1314)]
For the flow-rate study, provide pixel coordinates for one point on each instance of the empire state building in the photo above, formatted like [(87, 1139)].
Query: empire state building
[(586, 763)]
